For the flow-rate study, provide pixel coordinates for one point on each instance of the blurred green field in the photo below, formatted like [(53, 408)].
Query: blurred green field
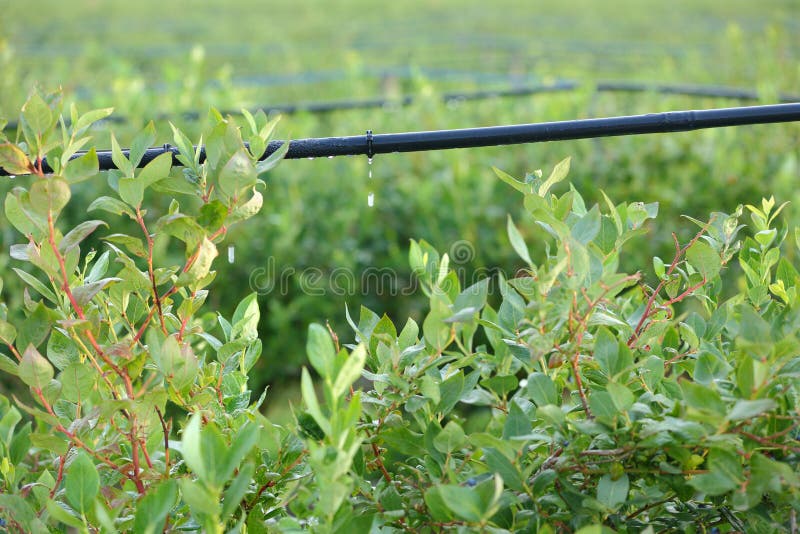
[(147, 58)]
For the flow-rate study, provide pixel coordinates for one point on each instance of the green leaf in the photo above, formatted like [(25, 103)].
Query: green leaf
[(237, 490), (501, 385), (119, 159), (513, 182), (702, 398), (206, 253), (518, 423), (203, 502), (80, 169), (403, 441), (14, 160), (152, 509), (242, 443), (705, 259), (436, 506), (37, 114), (436, 331), (131, 191), (77, 382), (111, 205), (560, 172), (85, 293), (602, 405), (246, 210), (587, 227), (212, 215), (191, 445), (613, 493), (59, 512), (75, 236), (156, 170), (134, 245), (237, 174), (7, 332), (141, 143), (90, 117), (517, 242), (82, 482), (49, 194), (61, 350), (542, 390), (621, 396), (464, 503), (606, 352), (245, 318), (99, 268), (37, 284), (272, 161), (20, 213), (34, 328), (501, 465), (450, 392), (350, 371), (174, 359), (34, 370), (725, 473), (320, 350), (7, 365), (747, 409), (312, 404), (451, 438)]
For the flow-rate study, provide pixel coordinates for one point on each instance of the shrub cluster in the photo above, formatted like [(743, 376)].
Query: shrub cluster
[(586, 400)]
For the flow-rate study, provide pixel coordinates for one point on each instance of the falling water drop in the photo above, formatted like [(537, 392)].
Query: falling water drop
[(231, 253), (371, 195)]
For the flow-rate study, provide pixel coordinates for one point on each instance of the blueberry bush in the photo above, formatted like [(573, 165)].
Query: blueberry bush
[(568, 396)]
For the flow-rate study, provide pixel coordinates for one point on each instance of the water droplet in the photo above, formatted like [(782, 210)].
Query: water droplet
[(371, 195), (12, 176), (231, 253), (330, 157), (310, 158)]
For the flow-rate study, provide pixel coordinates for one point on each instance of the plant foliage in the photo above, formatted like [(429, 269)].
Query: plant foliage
[(570, 397)]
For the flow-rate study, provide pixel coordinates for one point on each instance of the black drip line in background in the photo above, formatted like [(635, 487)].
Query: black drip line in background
[(701, 91), (372, 144)]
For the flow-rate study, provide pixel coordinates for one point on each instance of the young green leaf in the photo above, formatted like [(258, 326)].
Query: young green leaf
[(82, 482)]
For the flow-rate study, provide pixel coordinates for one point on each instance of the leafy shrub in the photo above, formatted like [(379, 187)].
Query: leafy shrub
[(594, 400), (318, 216), (113, 348), (586, 399)]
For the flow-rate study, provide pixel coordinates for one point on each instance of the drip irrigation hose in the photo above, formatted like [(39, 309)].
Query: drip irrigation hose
[(704, 91), (373, 144)]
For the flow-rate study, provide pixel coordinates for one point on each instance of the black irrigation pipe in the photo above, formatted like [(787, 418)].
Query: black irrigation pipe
[(372, 144), (707, 91), (331, 106)]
